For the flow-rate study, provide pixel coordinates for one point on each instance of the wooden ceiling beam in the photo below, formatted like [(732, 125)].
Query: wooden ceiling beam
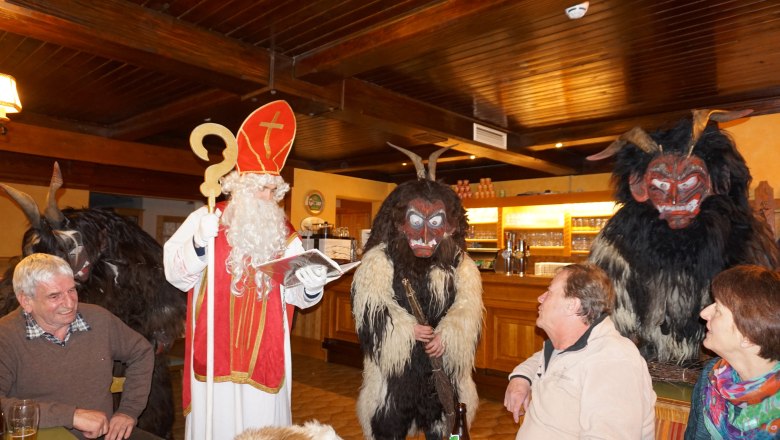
[(390, 159), (191, 108), (599, 131), (394, 41), (121, 30), (184, 50), (39, 120), (368, 105), (59, 144), (36, 170)]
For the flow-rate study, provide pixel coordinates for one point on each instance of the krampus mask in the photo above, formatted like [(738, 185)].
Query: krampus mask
[(685, 217)]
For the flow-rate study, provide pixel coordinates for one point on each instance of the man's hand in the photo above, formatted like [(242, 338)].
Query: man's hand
[(313, 278), (91, 423), (120, 427), (433, 345), (517, 397), (423, 333), (435, 348), (207, 229)]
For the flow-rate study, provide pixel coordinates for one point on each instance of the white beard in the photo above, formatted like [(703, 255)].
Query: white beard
[(256, 231)]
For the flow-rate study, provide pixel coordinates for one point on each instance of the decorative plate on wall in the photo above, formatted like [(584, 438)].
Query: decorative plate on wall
[(314, 202)]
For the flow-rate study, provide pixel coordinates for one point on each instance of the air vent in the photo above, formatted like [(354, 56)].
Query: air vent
[(489, 136)]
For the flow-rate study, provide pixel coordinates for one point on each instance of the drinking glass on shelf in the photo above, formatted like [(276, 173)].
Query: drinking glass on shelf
[(22, 422)]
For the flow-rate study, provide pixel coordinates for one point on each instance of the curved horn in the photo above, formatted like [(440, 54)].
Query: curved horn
[(53, 214), (636, 136), (27, 204), (432, 161), (703, 116), (418, 163)]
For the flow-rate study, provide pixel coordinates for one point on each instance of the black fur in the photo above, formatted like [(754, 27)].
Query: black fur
[(136, 291), (412, 394), (662, 260)]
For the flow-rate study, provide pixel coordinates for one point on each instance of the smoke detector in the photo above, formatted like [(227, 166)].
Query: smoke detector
[(577, 11)]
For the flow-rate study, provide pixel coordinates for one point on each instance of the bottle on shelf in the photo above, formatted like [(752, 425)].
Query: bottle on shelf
[(460, 430), (505, 258), (522, 253)]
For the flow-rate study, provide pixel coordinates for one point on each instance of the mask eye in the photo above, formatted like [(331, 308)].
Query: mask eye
[(436, 221), (660, 184), (415, 220), (689, 183), (75, 251)]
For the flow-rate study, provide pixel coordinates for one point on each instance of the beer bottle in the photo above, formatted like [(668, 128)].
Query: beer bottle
[(461, 429)]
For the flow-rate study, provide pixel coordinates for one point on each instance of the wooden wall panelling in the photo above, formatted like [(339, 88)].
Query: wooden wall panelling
[(514, 337), (510, 334)]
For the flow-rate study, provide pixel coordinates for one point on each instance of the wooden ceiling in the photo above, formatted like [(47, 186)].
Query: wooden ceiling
[(113, 88)]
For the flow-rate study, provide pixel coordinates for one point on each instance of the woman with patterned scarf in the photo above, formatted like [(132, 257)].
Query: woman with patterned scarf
[(738, 394)]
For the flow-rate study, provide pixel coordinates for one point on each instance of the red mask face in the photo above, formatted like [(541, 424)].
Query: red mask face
[(676, 186), (425, 226)]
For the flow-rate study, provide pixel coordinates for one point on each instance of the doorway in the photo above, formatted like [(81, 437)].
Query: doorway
[(354, 215)]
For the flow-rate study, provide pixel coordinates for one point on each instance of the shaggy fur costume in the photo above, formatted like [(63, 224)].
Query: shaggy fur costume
[(126, 277), (398, 395), (309, 431), (662, 275)]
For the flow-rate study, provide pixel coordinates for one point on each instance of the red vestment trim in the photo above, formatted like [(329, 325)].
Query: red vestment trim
[(248, 336)]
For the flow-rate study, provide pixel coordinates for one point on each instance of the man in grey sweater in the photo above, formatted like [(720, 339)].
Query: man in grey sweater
[(61, 354)]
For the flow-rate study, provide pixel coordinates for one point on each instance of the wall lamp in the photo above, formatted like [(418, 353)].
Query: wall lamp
[(9, 100)]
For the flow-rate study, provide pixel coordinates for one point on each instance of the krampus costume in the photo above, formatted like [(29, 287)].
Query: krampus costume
[(685, 217), (118, 266), (418, 238)]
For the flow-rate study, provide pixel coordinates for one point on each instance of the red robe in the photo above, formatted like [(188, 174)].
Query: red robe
[(249, 332)]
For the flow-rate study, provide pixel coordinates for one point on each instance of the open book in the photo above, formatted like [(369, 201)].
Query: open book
[(283, 270)]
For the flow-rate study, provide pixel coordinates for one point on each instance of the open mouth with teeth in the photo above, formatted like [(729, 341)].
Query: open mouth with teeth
[(423, 249), (679, 216)]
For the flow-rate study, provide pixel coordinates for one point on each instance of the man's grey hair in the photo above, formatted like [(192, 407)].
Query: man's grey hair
[(37, 268), (592, 286)]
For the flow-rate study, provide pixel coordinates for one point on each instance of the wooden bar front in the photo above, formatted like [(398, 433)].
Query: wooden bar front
[(509, 336)]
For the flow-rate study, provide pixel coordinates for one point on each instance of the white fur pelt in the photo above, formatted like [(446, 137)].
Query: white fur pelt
[(311, 430), (372, 293)]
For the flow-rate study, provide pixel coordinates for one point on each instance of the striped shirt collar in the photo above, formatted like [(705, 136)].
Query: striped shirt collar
[(33, 330)]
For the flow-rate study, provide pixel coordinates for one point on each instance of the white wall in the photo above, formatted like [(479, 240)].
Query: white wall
[(156, 207)]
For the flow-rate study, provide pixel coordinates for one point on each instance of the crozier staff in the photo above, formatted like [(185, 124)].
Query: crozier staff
[(252, 313)]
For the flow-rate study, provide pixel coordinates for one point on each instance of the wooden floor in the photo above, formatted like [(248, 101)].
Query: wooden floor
[(327, 392)]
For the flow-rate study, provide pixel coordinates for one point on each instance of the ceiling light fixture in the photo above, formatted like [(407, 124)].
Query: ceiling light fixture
[(472, 157), (9, 100), (558, 144)]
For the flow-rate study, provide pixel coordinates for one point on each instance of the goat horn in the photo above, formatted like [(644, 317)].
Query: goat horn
[(418, 163), (53, 214), (636, 136), (432, 161), (28, 205), (703, 116)]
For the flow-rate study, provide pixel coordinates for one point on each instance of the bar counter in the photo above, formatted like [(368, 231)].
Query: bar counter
[(509, 334)]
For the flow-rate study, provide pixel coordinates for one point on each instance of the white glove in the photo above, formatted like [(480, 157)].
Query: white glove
[(313, 277), (208, 228)]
